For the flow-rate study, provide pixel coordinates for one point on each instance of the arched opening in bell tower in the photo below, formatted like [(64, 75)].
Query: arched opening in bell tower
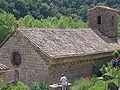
[(99, 20)]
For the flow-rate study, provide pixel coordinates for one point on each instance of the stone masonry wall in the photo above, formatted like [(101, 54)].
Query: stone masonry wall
[(108, 24), (76, 69), (32, 69)]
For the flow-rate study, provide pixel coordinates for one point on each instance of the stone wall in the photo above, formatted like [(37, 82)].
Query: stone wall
[(32, 69), (76, 68), (108, 24), (2, 75)]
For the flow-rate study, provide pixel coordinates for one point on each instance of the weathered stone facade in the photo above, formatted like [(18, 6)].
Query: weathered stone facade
[(33, 67), (77, 67), (47, 53), (104, 19)]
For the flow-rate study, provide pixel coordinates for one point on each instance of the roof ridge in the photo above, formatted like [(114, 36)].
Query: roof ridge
[(51, 29), (105, 7)]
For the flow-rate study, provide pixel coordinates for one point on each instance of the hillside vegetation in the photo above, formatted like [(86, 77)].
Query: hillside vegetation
[(40, 9), (7, 22), (48, 13)]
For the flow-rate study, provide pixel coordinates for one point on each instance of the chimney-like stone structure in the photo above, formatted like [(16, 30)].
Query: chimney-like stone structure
[(104, 19)]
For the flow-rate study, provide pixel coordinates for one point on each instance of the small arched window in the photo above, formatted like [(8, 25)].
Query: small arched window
[(16, 59), (112, 22), (99, 20)]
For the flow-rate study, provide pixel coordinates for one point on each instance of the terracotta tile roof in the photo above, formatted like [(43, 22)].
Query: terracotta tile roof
[(69, 42), (3, 68)]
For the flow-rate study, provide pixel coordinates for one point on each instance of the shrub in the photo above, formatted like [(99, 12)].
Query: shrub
[(6, 87), (7, 21), (40, 86), (18, 86), (82, 84), (112, 86), (118, 50), (116, 54), (100, 85)]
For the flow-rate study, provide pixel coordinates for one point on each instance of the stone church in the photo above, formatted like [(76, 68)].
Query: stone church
[(35, 54)]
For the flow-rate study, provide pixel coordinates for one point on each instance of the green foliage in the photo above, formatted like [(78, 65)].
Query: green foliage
[(112, 86), (8, 20), (21, 86), (105, 85), (114, 72), (6, 87), (6, 24), (48, 14), (1, 80), (106, 68), (18, 86), (40, 9), (110, 75), (81, 84), (118, 50), (40, 86), (98, 86), (116, 53), (52, 22)]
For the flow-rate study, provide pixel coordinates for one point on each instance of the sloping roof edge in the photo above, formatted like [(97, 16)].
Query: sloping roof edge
[(43, 54), (80, 55), (84, 58), (61, 56), (36, 48)]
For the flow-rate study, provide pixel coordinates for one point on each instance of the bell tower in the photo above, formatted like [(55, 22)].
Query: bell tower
[(104, 19)]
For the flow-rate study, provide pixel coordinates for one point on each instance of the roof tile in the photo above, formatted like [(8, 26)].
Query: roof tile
[(65, 42)]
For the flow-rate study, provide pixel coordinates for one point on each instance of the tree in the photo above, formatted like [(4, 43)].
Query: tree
[(40, 9), (52, 22), (6, 24)]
